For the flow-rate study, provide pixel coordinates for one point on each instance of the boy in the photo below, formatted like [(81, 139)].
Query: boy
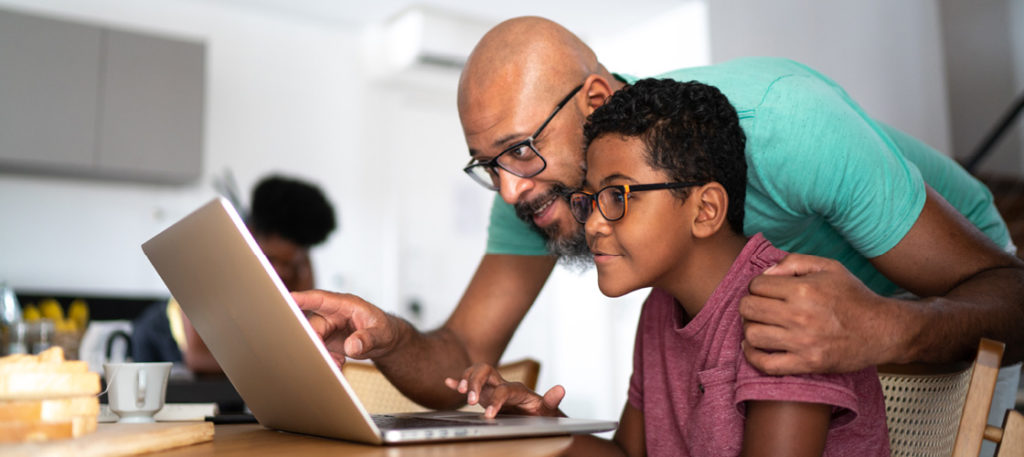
[(662, 205)]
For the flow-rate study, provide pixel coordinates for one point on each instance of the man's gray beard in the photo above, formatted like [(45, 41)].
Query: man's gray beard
[(572, 251)]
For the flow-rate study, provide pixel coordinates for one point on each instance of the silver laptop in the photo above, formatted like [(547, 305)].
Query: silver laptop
[(227, 288)]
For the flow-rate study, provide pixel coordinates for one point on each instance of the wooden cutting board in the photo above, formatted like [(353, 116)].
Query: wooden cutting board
[(111, 440)]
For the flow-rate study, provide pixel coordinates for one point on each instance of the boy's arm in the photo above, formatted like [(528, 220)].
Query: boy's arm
[(630, 435), (628, 439), (785, 428)]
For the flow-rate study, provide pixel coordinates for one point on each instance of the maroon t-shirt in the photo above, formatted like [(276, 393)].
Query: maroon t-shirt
[(691, 381)]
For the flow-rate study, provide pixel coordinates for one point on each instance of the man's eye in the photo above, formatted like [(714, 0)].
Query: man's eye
[(521, 152)]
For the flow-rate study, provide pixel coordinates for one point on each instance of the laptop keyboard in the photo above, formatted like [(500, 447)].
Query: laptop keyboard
[(389, 422)]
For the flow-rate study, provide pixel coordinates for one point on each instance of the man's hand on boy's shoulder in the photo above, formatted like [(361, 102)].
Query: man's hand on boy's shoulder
[(483, 385), (809, 314)]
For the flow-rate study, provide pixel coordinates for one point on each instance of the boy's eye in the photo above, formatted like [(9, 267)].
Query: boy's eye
[(618, 196)]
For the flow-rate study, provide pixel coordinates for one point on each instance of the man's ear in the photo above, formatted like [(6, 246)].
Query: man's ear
[(596, 89), (712, 205)]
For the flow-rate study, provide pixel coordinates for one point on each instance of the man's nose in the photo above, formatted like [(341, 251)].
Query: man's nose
[(513, 187)]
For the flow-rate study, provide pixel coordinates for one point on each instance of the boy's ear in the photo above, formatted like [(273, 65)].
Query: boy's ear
[(712, 204)]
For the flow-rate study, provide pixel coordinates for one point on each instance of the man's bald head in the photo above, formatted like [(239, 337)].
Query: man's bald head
[(508, 93), (525, 58)]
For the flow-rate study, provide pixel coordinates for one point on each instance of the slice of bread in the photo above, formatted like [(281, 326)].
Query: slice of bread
[(19, 431), (44, 397), (30, 386), (50, 410), (48, 361), (43, 376)]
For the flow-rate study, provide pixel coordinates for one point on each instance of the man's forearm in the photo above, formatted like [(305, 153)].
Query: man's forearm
[(420, 361), (499, 295), (947, 329)]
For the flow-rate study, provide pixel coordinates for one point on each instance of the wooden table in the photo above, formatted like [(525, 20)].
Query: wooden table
[(250, 440)]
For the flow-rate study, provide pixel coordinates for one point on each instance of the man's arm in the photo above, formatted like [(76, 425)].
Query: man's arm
[(974, 288), (498, 296), (479, 329), (809, 314)]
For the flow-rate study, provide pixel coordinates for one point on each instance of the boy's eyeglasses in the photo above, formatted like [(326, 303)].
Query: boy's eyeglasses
[(521, 159), (613, 201)]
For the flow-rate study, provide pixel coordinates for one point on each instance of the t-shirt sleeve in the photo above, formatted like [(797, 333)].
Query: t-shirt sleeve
[(826, 157), (837, 390), (507, 234), (965, 192)]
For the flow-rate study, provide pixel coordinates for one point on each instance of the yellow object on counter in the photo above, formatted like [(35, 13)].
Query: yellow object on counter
[(65, 325), (177, 324), (78, 312), (50, 309), (30, 313)]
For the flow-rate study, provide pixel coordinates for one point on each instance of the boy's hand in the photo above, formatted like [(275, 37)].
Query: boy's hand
[(482, 384)]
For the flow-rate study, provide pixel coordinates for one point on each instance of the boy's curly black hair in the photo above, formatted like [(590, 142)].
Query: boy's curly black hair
[(291, 209), (689, 130)]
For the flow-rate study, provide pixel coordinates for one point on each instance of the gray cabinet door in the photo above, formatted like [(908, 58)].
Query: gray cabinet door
[(49, 75), (151, 118), (84, 100)]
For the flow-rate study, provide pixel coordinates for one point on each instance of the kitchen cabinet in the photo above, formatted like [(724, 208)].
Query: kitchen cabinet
[(84, 100), (49, 75)]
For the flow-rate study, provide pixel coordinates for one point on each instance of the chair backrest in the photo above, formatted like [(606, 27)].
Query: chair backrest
[(974, 418), (974, 427), (946, 414), (1011, 440), (922, 411), (379, 396)]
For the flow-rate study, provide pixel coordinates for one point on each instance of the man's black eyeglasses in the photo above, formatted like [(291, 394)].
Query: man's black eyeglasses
[(521, 159), (613, 201)]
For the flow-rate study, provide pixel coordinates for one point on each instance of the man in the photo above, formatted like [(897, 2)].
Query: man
[(807, 314)]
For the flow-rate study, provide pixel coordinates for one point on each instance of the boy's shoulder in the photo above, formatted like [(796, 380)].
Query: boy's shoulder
[(760, 252)]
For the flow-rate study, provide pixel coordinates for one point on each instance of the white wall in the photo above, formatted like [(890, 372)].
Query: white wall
[(279, 97), (980, 45), (290, 95), (886, 54), (1016, 18)]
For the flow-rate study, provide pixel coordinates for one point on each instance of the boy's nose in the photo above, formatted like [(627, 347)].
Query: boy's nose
[(596, 226)]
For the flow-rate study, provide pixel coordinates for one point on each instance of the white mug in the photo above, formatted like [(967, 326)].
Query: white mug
[(136, 391)]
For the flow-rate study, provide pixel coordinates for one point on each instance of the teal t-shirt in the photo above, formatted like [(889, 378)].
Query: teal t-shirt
[(823, 178)]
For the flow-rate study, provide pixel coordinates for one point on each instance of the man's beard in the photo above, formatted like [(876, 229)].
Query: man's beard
[(572, 250)]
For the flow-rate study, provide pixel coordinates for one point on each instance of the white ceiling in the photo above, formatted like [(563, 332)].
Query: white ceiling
[(585, 18)]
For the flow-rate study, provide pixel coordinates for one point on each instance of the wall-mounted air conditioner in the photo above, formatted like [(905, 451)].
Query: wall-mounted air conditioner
[(422, 44)]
